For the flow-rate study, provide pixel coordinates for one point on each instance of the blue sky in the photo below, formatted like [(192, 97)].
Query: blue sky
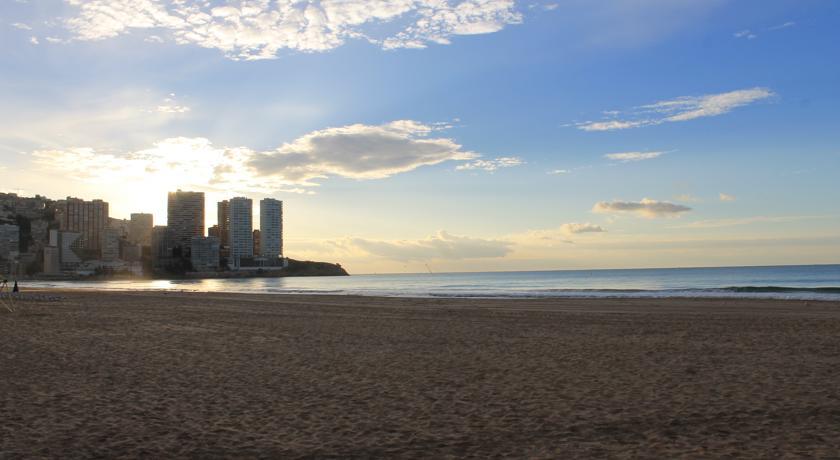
[(471, 135)]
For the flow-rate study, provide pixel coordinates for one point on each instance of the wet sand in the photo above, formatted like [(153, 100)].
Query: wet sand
[(213, 375)]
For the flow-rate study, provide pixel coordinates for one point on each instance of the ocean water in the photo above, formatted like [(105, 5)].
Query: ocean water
[(806, 282)]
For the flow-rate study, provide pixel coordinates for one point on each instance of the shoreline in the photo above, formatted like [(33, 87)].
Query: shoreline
[(723, 296)]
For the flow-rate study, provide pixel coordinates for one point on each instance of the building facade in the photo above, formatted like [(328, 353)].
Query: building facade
[(271, 229), (122, 226), (257, 242), (63, 252), (161, 246), (140, 229), (223, 218), (9, 241), (241, 236), (111, 245), (87, 218), (205, 253), (185, 218)]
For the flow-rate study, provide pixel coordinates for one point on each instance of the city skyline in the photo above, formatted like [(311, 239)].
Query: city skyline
[(493, 136)]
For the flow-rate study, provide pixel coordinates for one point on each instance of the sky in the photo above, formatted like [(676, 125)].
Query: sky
[(473, 135)]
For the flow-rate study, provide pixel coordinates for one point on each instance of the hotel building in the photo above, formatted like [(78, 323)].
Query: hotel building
[(185, 218)]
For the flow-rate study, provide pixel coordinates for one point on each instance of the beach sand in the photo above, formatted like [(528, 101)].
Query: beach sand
[(223, 375)]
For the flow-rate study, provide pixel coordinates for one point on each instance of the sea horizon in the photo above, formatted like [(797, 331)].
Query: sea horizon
[(791, 282), (692, 267)]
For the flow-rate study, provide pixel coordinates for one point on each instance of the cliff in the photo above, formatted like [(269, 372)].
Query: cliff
[(309, 268)]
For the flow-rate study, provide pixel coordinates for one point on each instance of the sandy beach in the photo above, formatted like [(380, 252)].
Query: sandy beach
[(157, 374)]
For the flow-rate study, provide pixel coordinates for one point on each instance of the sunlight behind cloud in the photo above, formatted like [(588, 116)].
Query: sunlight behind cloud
[(353, 151)]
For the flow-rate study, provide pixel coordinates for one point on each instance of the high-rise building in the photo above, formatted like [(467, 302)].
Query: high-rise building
[(205, 253), (140, 229), (223, 217), (88, 218), (271, 228), (185, 218), (241, 237)]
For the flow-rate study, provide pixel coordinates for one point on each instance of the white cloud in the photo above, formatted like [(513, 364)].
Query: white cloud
[(782, 26), (726, 197), (750, 35), (21, 26), (680, 109), (645, 208), (491, 165), (359, 152), (34, 40), (747, 34), (170, 105), (689, 108), (626, 157), (354, 151), (612, 125), (260, 29), (558, 172), (687, 197), (443, 246), (575, 228)]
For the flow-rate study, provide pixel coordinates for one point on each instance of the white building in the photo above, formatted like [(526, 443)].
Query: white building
[(271, 229), (241, 236)]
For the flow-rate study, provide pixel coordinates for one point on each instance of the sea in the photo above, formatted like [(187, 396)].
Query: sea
[(802, 282)]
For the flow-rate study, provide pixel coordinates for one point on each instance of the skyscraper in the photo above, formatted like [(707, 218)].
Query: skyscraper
[(88, 218), (185, 218), (241, 237), (140, 229), (271, 228), (223, 213)]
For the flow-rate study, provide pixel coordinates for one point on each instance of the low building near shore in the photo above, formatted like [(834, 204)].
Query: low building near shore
[(204, 255)]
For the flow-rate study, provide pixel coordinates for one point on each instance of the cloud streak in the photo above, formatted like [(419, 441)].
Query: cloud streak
[(576, 228), (722, 223), (646, 208), (442, 246), (627, 157), (679, 109), (261, 29), (491, 165)]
